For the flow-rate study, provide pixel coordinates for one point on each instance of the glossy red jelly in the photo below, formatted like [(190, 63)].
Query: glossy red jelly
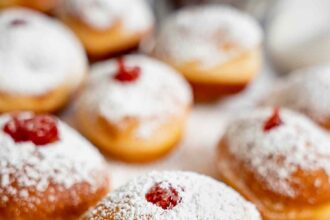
[(126, 74), (273, 121), (40, 130), (164, 197)]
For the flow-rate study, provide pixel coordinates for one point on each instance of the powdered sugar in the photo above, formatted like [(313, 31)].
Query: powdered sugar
[(202, 198), (24, 165), (37, 54), (266, 152), (210, 34), (102, 14), (158, 94), (306, 90)]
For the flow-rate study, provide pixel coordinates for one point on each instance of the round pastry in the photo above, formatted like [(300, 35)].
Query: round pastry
[(307, 91), (173, 195), (41, 5), (217, 48), (41, 62), (47, 170), (134, 108), (106, 27), (279, 160)]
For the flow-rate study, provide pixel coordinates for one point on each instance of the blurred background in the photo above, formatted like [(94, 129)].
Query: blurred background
[(297, 32)]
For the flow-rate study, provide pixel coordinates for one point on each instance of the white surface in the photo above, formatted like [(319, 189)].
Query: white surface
[(299, 33), (197, 150)]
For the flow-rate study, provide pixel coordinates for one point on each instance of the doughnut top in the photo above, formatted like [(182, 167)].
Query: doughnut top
[(220, 32), (156, 94), (65, 162), (102, 14), (37, 54), (201, 198), (307, 91), (264, 149)]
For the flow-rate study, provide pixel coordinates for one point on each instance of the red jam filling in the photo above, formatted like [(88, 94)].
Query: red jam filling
[(40, 130), (164, 197), (273, 121), (126, 74)]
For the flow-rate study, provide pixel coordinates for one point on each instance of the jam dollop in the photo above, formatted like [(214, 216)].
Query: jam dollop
[(39, 129), (126, 74), (273, 121), (163, 195)]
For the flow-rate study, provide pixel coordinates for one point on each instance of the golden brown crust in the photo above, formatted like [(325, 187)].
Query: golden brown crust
[(223, 79), (55, 203), (52, 101), (41, 5), (100, 43), (212, 92), (238, 70), (123, 143), (98, 212), (310, 202)]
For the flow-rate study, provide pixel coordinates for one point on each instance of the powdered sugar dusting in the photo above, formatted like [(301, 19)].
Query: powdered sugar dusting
[(202, 198), (102, 14), (265, 153), (24, 165), (37, 54), (159, 93), (306, 90), (220, 32)]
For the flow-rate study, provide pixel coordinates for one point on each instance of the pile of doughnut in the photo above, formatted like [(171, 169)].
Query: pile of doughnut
[(131, 83)]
